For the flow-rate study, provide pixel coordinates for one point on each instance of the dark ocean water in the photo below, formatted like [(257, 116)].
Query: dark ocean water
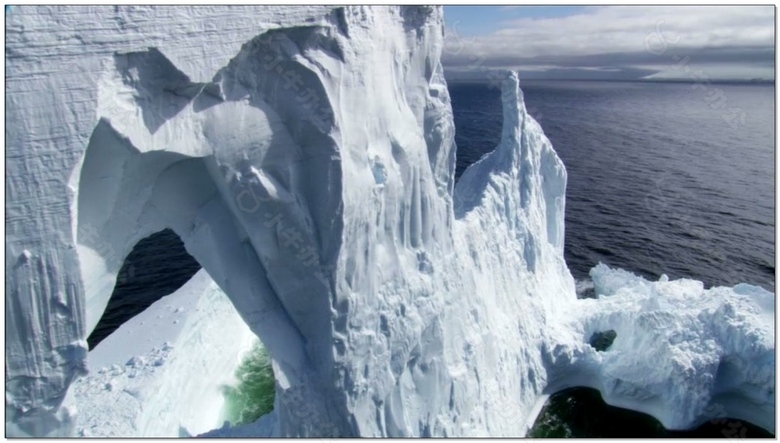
[(581, 412), (659, 183), (157, 266)]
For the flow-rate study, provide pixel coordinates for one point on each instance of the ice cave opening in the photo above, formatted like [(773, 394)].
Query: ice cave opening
[(157, 266), (581, 412)]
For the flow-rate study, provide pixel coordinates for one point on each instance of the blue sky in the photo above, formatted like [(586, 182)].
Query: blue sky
[(481, 20), (610, 42)]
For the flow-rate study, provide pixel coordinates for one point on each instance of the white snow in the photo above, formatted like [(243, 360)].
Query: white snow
[(307, 162), (682, 353), (161, 373)]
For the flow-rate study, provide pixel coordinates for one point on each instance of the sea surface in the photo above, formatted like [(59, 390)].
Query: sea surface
[(661, 180)]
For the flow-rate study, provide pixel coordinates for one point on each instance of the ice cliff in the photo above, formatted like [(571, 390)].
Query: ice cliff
[(305, 156)]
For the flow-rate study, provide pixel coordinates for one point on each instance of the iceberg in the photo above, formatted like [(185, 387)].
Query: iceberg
[(307, 162)]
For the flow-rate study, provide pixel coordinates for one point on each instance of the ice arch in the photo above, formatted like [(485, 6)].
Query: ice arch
[(126, 193), (237, 166)]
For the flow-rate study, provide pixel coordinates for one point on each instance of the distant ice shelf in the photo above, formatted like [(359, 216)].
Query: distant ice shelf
[(307, 162)]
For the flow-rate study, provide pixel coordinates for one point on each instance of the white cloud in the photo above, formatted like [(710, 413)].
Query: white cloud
[(622, 36)]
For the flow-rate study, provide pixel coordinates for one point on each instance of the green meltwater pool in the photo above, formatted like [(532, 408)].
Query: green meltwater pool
[(253, 395)]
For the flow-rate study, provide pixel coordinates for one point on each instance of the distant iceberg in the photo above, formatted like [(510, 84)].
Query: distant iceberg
[(307, 162)]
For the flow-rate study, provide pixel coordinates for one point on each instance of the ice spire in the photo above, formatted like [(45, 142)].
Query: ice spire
[(514, 106)]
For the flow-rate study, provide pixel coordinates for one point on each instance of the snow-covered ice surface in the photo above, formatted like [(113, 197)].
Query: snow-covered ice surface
[(683, 354), (167, 383), (307, 162)]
